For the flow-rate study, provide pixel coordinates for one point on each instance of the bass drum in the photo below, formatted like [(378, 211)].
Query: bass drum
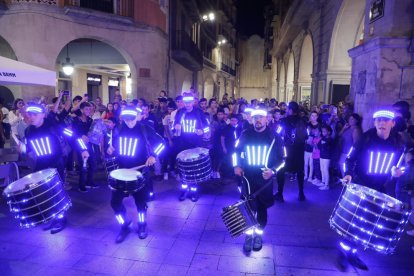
[(369, 218), (37, 198), (194, 165)]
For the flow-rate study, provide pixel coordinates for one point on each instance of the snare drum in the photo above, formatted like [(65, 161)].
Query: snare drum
[(37, 198), (239, 218), (126, 180), (194, 165), (369, 218)]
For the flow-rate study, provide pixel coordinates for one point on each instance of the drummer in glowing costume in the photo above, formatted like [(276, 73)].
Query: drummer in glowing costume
[(43, 138), (135, 145), (369, 163), (258, 156), (190, 124)]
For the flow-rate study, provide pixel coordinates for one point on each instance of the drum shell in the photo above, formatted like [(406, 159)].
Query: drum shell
[(126, 186), (195, 171), (111, 164), (238, 218), (364, 217), (39, 202)]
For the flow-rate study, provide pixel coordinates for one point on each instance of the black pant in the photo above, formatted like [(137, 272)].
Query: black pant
[(281, 180), (86, 174), (140, 198), (261, 212)]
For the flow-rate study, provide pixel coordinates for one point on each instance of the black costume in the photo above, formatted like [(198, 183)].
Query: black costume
[(133, 146), (254, 151), (294, 133), (370, 160)]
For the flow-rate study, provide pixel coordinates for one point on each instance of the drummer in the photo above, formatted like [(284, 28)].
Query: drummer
[(369, 163), (44, 137), (190, 125), (135, 144), (263, 154)]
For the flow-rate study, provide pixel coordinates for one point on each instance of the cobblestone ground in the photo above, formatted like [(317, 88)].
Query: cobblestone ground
[(187, 238)]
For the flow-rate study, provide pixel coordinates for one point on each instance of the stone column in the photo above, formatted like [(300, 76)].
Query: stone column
[(383, 65)]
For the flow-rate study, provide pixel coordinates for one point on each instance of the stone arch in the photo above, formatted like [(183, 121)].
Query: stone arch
[(345, 35), (8, 92), (87, 51), (305, 70), (282, 82), (290, 77)]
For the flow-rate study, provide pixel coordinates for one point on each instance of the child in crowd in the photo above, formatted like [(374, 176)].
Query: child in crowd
[(308, 155), (326, 150), (316, 156)]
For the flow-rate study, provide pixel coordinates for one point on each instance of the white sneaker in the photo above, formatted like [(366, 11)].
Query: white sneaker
[(324, 187), (410, 232), (165, 176)]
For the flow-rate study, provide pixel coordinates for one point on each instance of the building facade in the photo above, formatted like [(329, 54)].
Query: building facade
[(346, 50), (203, 47)]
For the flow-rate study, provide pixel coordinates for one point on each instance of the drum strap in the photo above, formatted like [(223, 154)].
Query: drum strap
[(258, 191)]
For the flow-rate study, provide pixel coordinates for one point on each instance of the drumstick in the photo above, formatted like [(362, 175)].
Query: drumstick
[(138, 167), (110, 139), (15, 138), (400, 160)]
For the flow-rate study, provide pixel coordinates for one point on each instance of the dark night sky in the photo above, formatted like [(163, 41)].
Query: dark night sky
[(250, 16)]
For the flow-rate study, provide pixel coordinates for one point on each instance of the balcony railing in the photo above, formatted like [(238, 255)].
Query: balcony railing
[(209, 63), (228, 69), (118, 7), (45, 2), (185, 50)]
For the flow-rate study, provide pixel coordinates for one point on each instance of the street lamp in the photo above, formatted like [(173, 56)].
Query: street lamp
[(208, 16), (67, 66), (222, 41)]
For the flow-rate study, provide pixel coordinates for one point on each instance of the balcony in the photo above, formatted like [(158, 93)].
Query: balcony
[(209, 63), (228, 69), (118, 7), (185, 51)]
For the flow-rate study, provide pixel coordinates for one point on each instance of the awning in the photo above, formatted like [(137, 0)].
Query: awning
[(18, 73)]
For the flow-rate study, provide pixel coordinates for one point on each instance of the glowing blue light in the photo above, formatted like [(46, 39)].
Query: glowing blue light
[(284, 152), (135, 146), (235, 135), (389, 162), (81, 144), (34, 109), (206, 129), (48, 145), (258, 155), (383, 163), (377, 162), (193, 189), (371, 156), (264, 163), (258, 231), (237, 143), (129, 112), (120, 219), (120, 146), (184, 186), (249, 158), (248, 110), (249, 232), (254, 156), (188, 99), (344, 246), (259, 112), (384, 114), (350, 151), (125, 146), (38, 146), (138, 110), (234, 158), (34, 147), (130, 147), (68, 132)]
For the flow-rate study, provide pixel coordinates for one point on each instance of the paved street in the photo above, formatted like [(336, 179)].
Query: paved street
[(187, 238)]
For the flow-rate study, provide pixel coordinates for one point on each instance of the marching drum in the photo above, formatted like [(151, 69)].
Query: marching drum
[(37, 198), (239, 218), (369, 218), (126, 180), (194, 165)]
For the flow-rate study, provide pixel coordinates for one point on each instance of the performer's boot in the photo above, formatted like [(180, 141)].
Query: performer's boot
[(123, 233), (142, 225), (194, 194), (257, 241), (343, 261), (184, 192), (58, 224), (279, 197), (248, 241)]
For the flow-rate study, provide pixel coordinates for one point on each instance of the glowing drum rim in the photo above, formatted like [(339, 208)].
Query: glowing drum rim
[(369, 218), (126, 180), (238, 218), (37, 198), (194, 165)]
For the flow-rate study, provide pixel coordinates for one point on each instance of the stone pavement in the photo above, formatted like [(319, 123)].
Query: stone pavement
[(187, 238)]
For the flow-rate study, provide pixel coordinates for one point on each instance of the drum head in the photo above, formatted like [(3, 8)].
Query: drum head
[(125, 175), (31, 179), (378, 198), (192, 154)]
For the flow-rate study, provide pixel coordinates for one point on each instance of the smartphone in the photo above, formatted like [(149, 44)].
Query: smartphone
[(85, 95), (66, 92)]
